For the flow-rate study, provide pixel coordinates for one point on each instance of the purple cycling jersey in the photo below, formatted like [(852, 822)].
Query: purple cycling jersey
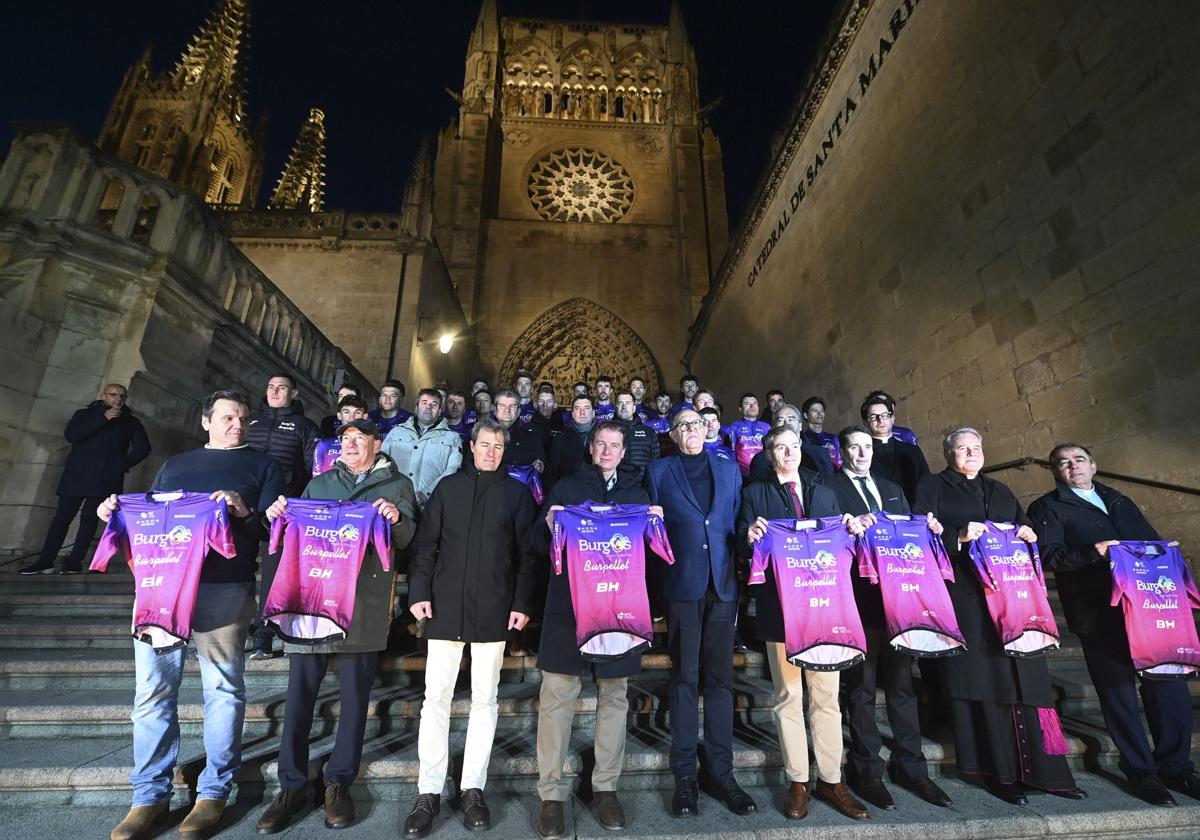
[(828, 442), (745, 438), (605, 411), (719, 449), (606, 570), (324, 543), (463, 428), (525, 412), (1154, 585), (682, 406), (1014, 587), (326, 452), (906, 435), (530, 477), (812, 561), (165, 538), (911, 568), (386, 424)]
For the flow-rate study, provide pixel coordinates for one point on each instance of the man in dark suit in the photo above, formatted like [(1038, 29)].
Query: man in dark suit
[(899, 462), (699, 494), (861, 494), (1076, 523)]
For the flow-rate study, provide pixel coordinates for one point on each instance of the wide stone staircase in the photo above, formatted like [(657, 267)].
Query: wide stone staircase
[(66, 684)]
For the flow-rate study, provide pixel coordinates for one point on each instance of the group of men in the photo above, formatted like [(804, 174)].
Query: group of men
[(479, 572)]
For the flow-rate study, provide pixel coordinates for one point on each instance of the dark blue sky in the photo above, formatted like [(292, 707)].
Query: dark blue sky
[(378, 69)]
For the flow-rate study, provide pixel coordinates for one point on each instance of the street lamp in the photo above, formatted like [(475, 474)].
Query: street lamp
[(445, 343)]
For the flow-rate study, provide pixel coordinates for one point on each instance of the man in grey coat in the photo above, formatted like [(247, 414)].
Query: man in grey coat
[(361, 474)]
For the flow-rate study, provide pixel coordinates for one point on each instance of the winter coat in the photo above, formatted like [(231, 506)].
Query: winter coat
[(559, 652), (641, 447), (983, 672), (102, 451), (472, 557), (771, 500), (375, 591), (287, 436), (426, 458), (523, 448), (1068, 529)]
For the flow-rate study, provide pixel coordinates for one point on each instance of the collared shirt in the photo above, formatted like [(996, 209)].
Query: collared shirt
[(1090, 495), (858, 485)]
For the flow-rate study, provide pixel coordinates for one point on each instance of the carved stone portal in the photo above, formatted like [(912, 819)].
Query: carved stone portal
[(576, 341)]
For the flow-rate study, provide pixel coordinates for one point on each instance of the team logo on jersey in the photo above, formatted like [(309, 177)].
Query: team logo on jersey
[(179, 534), (1159, 587), (616, 544), (1019, 557), (908, 551), (346, 533)]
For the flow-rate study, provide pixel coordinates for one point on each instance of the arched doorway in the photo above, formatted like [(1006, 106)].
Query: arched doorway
[(576, 341)]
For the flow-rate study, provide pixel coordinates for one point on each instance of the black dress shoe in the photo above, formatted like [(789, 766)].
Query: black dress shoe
[(1149, 788), (37, 569), (476, 816), (420, 819), (285, 805), (1186, 782), (609, 812), (686, 801), (550, 823), (735, 799), (339, 807), (1072, 793), (874, 792), (1012, 794), (930, 792)]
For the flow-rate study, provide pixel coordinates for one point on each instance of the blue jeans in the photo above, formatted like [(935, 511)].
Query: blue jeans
[(219, 627)]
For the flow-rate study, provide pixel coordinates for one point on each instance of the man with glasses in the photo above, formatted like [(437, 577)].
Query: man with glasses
[(895, 460), (107, 441), (813, 457), (1077, 522), (699, 494)]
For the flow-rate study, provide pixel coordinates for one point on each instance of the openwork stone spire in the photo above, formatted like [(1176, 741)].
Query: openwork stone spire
[(219, 54), (302, 184)]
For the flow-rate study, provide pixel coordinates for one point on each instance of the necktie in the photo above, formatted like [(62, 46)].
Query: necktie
[(794, 489), (872, 505)]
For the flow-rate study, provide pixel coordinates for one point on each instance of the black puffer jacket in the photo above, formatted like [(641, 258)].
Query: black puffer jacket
[(472, 557), (641, 447), (102, 451), (287, 436)]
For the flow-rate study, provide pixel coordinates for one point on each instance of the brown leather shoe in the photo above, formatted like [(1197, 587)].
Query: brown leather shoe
[(795, 807), (550, 824), (839, 797), (285, 805), (139, 820), (608, 810), (203, 817), (339, 807)]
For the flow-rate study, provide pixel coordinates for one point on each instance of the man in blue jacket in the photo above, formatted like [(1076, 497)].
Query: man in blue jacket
[(107, 441), (699, 494)]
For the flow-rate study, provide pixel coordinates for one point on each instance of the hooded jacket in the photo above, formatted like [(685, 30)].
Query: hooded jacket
[(102, 451)]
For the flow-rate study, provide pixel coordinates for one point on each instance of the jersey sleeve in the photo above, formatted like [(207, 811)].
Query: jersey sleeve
[(220, 532), (938, 547), (867, 569), (277, 529), (381, 537), (113, 540), (1118, 576), (1189, 582), (981, 566), (760, 559), (558, 543), (1036, 557), (535, 486), (656, 533)]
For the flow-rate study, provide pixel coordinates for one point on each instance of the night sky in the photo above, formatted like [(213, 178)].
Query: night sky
[(378, 70)]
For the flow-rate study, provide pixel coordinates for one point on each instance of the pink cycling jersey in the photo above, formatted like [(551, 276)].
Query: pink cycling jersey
[(165, 538), (1014, 587), (1154, 585), (325, 453), (911, 567), (531, 478), (812, 561), (606, 570), (312, 597)]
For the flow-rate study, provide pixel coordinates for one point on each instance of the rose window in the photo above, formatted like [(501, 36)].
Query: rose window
[(580, 185)]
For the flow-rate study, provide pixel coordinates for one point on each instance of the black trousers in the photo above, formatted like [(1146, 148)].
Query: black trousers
[(1167, 703), (68, 507), (1003, 742), (700, 641), (356, 671), (893, 671)]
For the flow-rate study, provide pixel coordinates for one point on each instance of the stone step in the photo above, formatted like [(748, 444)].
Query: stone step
[(1109, 812), (94, 770)]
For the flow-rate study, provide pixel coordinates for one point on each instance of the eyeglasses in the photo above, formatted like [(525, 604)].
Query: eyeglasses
[(875, 418), (689, 425)]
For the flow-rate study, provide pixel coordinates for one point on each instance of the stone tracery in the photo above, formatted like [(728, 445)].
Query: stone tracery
[(580, 185)]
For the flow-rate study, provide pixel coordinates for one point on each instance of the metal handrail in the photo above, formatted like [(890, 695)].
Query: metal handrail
[(1021, 463)]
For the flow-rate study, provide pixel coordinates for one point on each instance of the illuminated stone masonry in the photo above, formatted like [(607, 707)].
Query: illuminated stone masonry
[(580, 185)]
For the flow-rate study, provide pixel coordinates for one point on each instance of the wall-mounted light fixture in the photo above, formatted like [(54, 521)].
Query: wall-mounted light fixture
[(445, 343)]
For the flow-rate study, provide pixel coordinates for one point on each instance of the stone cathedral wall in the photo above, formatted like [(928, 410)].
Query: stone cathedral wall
[(991, 210)]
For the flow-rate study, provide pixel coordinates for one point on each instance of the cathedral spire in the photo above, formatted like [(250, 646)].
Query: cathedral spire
[(302, 183), (219, 55), (679, 49), (487, 27), (418, 192)]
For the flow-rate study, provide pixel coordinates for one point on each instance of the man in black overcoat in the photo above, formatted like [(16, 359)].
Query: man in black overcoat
[(1077, 522)]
